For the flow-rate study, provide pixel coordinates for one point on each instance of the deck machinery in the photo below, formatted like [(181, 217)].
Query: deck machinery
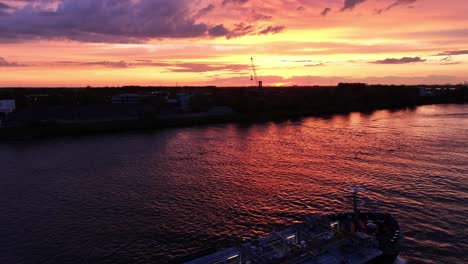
[(323, 239)]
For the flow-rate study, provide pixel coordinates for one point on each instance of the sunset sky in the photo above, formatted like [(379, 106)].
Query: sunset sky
[(210, 42)]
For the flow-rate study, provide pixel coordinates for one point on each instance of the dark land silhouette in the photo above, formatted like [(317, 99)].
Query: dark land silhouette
[(72, 111)]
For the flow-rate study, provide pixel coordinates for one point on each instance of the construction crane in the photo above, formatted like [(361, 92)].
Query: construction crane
[(254, 76)]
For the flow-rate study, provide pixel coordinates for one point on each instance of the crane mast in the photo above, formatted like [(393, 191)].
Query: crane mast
[(254, 76)]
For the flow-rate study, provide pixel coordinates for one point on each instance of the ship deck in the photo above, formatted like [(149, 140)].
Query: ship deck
[(313, 242)]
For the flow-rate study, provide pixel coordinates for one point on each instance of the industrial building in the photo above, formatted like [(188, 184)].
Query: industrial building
[(127, 99), (7, 106)]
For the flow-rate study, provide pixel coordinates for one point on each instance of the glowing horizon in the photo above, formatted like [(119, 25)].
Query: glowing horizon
[(210, 42)]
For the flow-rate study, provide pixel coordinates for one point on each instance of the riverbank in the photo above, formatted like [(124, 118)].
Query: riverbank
[(54, 129), (66, 113)]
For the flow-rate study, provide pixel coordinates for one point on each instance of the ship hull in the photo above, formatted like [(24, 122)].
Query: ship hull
[(385, 259), (334, 238)]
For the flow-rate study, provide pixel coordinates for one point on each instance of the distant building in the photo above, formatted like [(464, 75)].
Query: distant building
[(173, 101), (159, 94), (38, 98), (221, 110), (184, 101), (7, 106), (127, 99), (352, 85), (425, 91)]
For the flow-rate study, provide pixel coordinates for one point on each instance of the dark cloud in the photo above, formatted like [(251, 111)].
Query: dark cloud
[(235, 2), (400, 2), (403, 60), (218, 31), (350, 4), (325, 11), (452, 63), (254, 16), (103, 21), (4, 6), (202, 12), (449, 61), (395, 4), (116, 21), (104, 64), (271, 30), (453, 52), (201, 67), (5, 63), (448, 58), (170, 66), (315, 65), (241, 29)]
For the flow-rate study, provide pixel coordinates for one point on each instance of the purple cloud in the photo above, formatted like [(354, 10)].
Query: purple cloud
[(114, 21), (4, 6), (453, 52), (254, 16), (104, 64), (350, 4), (219, 30), (196, 67), (449, 61), (271, 30), (400, 2), (104, 20), (452, 63), (315, 65), (5, 63), (235, 2), (325, 11), (241, 29), (395, 4), (205, 10), (403, 60), (448, 58), (202, 67)]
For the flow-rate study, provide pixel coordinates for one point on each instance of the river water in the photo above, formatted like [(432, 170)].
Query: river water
[(167, 195)]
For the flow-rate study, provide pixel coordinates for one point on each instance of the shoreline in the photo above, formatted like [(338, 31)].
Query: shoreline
[(51, 129)]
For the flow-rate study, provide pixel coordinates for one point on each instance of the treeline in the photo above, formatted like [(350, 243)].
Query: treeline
[(328, 100), (89, 110), (341, 98)]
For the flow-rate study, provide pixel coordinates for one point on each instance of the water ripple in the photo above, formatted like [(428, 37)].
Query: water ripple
[(178, 193)]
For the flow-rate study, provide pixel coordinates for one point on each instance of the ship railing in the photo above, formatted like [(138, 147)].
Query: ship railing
[(366, 242), (365, 254), (318, 238), (269, 250), (256, 254), (252, 256), (323, 248), (319, 243)]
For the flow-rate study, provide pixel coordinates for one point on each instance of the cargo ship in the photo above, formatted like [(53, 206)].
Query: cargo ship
[(355, 237)]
